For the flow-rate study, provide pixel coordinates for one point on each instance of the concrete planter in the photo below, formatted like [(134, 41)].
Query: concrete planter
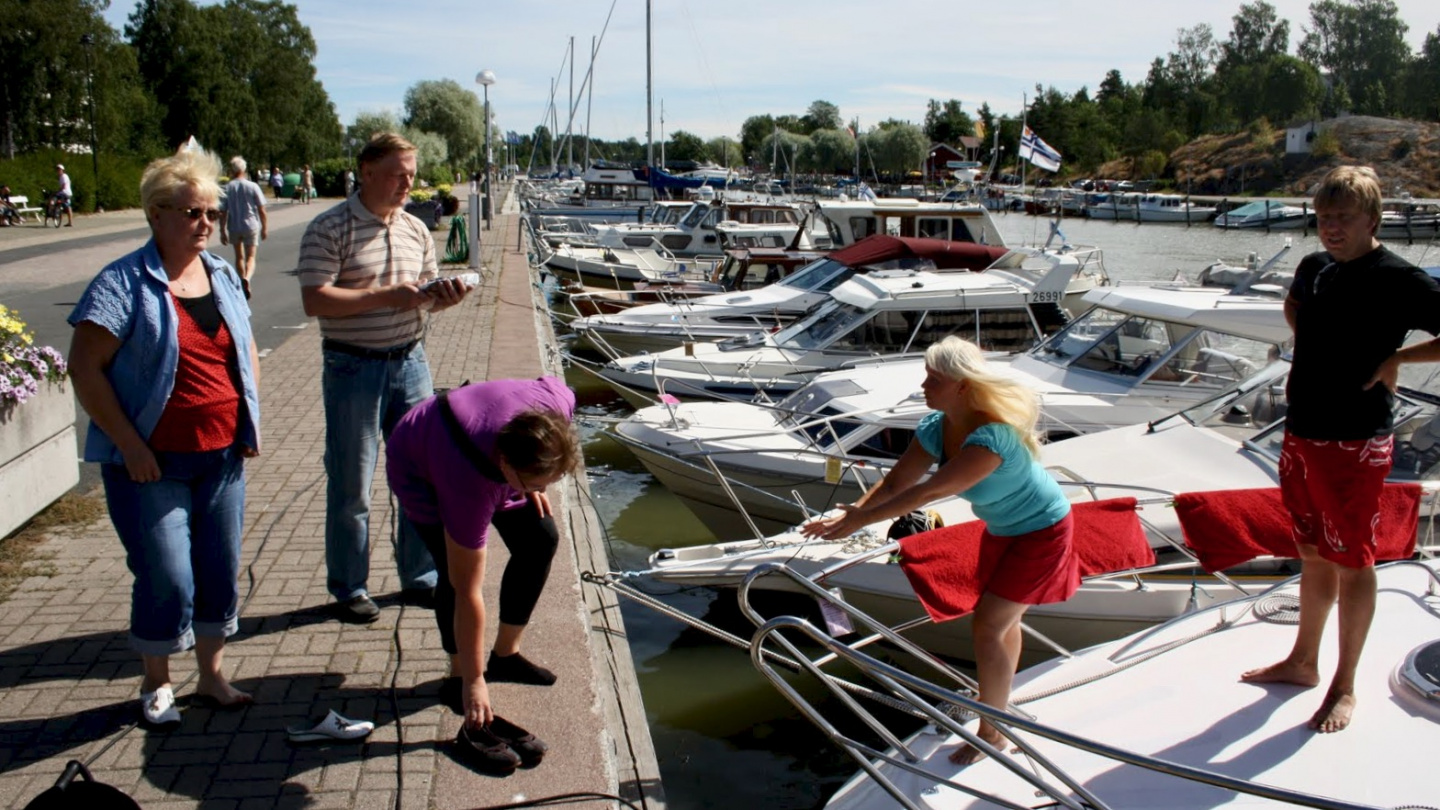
[(38, 456)]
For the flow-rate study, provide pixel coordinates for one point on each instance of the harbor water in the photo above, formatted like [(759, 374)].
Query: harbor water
[(723, 736)]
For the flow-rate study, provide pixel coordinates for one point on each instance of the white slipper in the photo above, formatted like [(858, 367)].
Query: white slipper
[(334, 728), (158, 707)]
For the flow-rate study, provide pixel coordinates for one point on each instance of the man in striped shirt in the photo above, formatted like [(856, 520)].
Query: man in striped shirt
[(362, 265)]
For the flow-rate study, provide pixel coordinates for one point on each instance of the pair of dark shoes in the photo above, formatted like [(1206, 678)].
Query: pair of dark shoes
[(500, 747)]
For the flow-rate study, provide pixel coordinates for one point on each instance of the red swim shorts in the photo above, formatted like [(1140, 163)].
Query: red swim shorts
[(1332, 491), (1036, 568)]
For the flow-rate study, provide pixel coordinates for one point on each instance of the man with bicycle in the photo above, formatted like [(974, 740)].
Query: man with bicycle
[(65, 194)]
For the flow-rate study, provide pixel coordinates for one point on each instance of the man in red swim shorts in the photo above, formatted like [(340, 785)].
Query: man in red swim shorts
[(1350, 306)]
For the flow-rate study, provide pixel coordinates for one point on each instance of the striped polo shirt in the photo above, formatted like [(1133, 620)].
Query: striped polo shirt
[(350, 247)]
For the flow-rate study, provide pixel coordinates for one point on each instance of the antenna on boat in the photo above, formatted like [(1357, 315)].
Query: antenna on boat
[(649, 92)]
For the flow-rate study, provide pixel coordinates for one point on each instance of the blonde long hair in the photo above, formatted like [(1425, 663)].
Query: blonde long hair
[(1001, 397)]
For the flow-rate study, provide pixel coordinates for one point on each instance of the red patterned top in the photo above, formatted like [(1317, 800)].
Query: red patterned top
[(203, 412)]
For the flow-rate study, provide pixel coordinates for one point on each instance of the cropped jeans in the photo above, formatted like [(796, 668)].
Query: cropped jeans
[(182, 542), (364, 398)]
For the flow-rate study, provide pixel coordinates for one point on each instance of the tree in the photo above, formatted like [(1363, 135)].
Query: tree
[(785, 148), (725, 151), (367, 124), (1422, 81), (685, 146), (897, 147), (431, 150), (450, 111), (1363, 45), (1257, 34), (821, 115), (832, 151), (752, 134), (947, 123)]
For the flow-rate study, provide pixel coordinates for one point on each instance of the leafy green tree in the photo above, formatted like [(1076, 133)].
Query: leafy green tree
[(431, 151), (947, 122), (725, 151), (832, 151), (821, 115), (752, 134), (684, 145), (1256, 35), (1422, 80), (897, 147), (367, 124), (784, 149), (1362, 43), (450, 111), (544, 144)]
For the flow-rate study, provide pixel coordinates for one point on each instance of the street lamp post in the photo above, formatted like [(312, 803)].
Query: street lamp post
[(485, 78), (88, 42)]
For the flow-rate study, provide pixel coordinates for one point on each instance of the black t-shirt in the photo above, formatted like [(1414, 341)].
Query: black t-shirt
[(1350, 317)]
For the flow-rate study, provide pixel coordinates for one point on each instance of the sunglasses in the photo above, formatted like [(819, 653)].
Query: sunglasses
[(192, 214)]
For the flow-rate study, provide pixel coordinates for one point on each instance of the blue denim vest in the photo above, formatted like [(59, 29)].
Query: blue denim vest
[(130, 298)]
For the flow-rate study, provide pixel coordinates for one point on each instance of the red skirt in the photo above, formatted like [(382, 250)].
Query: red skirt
[(1035, 568)]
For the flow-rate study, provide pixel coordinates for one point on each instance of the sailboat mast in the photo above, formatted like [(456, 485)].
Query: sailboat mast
[(570, 121), (589, 97), (1024, 115), (649, 92)]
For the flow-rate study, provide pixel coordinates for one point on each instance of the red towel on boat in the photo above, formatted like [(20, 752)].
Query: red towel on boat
[(1228, 527), (948, 567)]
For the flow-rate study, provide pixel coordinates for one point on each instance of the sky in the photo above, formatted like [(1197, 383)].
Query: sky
[(717, 63)]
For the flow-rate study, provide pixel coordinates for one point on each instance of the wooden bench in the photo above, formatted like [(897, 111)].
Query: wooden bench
[(23, 207)]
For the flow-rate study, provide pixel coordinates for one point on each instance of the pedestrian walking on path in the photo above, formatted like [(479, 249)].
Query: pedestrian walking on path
[(362, 264), (307, 184), (164, 363), (244, 225)]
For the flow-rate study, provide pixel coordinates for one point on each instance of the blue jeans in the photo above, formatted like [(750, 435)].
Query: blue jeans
[(182, 542), (364, 398)]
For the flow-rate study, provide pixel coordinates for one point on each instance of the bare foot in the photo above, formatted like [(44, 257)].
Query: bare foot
[(1335, 711), (223, 694), (967, 754), (1286, 671)]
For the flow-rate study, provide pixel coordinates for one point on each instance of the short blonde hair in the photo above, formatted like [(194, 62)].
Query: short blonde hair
[(381, 146), (1001, 397), (1350, 185), (164, 178)]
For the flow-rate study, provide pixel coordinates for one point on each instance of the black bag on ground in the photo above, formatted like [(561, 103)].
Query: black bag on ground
[(69, 793)]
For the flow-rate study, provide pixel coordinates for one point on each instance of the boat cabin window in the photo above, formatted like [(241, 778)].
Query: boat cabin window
[(860, 227), (697, 213), (1109, 342), (825, 325), (952, 229), (886, 443), (847, 329)]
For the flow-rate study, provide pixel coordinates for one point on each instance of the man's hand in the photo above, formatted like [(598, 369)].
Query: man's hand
[(1388, 374), (447, 292), (407, 296)]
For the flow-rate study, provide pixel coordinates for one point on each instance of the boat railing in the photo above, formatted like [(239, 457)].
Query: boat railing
[(948, 707)]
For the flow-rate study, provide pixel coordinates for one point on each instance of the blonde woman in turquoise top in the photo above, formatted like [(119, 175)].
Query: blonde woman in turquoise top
[(982, 434)]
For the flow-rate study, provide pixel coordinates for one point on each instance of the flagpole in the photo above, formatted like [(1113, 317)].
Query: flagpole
[(1024, 115)]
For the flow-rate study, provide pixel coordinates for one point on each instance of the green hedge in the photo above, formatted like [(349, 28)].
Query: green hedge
[(119, 185), (330, 176)]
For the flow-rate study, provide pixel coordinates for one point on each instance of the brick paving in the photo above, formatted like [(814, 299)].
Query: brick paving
[(69, 683)]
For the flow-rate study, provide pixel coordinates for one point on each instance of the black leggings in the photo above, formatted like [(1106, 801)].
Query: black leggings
[(531, 541)]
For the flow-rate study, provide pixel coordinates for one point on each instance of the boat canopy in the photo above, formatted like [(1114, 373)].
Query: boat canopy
[(945, 254)]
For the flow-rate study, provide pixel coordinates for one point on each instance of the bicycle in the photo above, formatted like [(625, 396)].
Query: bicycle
[(54, 208)]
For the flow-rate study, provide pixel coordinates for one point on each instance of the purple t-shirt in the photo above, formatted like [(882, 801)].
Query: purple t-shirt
[(431, 477)]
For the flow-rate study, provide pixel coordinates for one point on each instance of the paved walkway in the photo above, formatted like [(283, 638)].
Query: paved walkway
[(69, 683)]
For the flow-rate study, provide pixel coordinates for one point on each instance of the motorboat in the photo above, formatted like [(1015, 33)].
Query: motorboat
[(734, 313), (1111, 206), (889, 312), (1160, 718), (699, 229), (849, 221), (743, 269), (1265, 214), (833, 438), (1410, 222), (1171, 208), (623, 268), (1228, 442)]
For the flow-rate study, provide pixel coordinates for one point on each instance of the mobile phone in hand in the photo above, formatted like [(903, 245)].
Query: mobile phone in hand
[(468, 279)]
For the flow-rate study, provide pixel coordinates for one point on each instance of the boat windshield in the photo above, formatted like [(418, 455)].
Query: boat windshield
[(821, 275), (1130, 349), (828, 322)]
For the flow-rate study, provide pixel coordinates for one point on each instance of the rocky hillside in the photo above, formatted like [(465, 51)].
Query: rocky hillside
[(1406, 155)]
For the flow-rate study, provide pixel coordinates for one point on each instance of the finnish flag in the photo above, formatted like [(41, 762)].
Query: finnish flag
[(1038, 152)]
